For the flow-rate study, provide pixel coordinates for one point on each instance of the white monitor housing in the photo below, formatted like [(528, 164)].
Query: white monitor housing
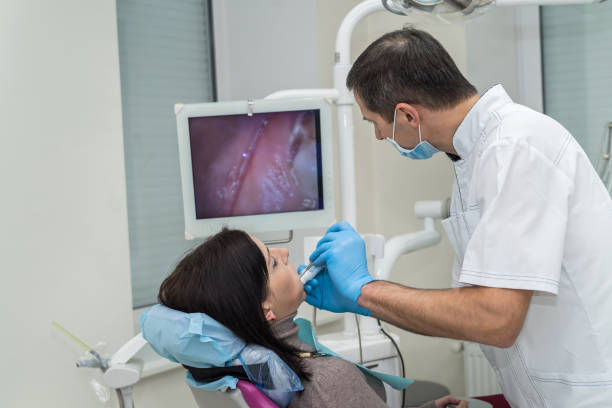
[(264, 165)]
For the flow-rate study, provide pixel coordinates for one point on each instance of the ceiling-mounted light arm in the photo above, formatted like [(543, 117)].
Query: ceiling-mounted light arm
[(343, 38), (405, 7), (543, 2), (392, 7)]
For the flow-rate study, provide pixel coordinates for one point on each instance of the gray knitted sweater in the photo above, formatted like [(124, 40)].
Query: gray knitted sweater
[(334, 382)]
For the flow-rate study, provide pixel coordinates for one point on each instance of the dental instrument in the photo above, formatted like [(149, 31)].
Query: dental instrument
[(97, 360), (118, 373), (310, 272)]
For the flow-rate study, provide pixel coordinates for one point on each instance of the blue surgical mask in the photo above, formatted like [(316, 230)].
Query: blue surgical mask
[(423, 150)]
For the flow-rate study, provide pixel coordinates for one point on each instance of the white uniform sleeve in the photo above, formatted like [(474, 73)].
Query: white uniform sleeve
[(518, 242)]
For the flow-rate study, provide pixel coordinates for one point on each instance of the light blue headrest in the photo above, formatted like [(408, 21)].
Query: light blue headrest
[(193, 339)]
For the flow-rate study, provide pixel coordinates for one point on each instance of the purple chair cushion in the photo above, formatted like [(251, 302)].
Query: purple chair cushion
[(254, 397)]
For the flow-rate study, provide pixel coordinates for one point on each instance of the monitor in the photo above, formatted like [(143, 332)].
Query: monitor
[(264, 165)]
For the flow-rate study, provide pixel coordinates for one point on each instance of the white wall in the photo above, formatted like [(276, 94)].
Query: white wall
[(64, 243), (63, 239), (492, 49), (503, 47), (264, 46)]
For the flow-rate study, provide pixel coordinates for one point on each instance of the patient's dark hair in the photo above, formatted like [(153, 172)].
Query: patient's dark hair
[(226, 278)]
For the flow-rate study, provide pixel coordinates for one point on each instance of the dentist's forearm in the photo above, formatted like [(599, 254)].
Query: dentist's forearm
[(485, 315)]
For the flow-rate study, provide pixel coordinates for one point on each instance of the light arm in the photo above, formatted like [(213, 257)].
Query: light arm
[(542, 2)]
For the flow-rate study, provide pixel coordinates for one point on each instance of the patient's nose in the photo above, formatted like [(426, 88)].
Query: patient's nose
[(284, 255)]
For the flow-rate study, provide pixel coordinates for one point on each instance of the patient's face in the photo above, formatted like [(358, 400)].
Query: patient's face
[(285, 290)]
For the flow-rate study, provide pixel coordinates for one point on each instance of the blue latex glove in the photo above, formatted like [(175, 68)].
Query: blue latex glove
[(321, 293), (343, 253)]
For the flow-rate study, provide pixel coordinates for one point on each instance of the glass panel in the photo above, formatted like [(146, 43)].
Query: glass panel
[(577, 65), (165, 54)]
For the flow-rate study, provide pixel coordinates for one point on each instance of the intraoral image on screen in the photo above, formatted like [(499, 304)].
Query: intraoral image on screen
[(261, 164)]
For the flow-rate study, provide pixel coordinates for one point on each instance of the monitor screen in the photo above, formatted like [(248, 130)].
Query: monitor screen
[(261, 164)]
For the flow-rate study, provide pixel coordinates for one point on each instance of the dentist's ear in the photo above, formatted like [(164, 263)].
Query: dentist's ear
[(409, 112)]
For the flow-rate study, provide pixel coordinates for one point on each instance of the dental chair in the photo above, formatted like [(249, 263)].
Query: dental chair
[(217, 360), (210, 352), (246, 395)]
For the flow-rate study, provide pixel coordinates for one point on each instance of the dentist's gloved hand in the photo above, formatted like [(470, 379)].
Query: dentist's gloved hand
[(321, 293), (343, 253)]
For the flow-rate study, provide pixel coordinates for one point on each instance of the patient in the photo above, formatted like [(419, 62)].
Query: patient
[(255, 292)]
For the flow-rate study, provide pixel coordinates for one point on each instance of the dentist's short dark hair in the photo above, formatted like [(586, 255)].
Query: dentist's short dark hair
[(409, 66)]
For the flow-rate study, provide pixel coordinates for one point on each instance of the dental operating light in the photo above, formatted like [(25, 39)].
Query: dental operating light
[(466, 7)]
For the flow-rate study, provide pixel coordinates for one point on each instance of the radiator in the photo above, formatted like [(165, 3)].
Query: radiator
[(479, 376)]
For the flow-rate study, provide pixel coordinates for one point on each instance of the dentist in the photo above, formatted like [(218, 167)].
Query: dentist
[(530, 224)]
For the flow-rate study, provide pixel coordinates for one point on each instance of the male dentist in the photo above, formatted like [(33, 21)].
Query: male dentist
[(531, 226)]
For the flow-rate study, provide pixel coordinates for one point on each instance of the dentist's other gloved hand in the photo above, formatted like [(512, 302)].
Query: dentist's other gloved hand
[(321, 293), (343, 253)]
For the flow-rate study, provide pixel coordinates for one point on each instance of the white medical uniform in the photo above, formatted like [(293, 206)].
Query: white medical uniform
[(529, 212)]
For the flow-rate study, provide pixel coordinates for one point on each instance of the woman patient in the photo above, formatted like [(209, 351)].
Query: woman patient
[(255, 292)]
